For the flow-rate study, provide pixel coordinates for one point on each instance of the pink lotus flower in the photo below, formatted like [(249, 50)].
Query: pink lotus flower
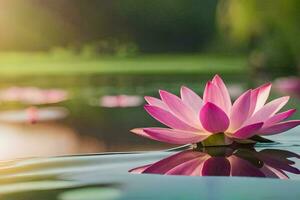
[(192, 119), (216, 161)]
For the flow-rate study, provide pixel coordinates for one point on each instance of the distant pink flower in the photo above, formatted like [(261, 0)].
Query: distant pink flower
[(120, 101), (288, 85), (192, 119), (270, 163), (33, 95)]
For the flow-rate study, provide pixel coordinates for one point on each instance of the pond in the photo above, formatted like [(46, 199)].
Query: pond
[(96, 117), (262, 172), (84, 123)]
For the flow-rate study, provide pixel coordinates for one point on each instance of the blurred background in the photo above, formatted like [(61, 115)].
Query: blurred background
[(73, 73)]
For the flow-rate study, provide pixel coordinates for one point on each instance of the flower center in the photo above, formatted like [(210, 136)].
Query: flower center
[(218, 139)]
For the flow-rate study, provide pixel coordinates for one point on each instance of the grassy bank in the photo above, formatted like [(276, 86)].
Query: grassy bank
[(41, 64)]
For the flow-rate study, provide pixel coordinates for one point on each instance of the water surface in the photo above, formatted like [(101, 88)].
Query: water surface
[(90, 127), (106, 176)]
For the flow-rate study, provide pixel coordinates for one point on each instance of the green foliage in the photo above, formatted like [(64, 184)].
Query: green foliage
[(269, 28), (109, 47), (147, 26), (170, 25)]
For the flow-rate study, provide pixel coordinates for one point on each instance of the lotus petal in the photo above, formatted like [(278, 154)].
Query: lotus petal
[(281, 167), (191, 99), (247, 131), (280, 127), (262, 96), (217, 80), (271, 172), (213, 119), (267, 111), (156, 102), (213, 95), (279, 117), (140, 169), (241, 167), (280, 155), (216, 166), (167, 118), (279, 163), (189, 168), (179, 109), (240, 110), (253, 100), (165, 165), (171, 136)]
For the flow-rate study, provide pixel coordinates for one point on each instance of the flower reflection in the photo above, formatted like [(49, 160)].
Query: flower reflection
[(225, 161), (33, 115), (33, 95), (120, 101), (288, 85)]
